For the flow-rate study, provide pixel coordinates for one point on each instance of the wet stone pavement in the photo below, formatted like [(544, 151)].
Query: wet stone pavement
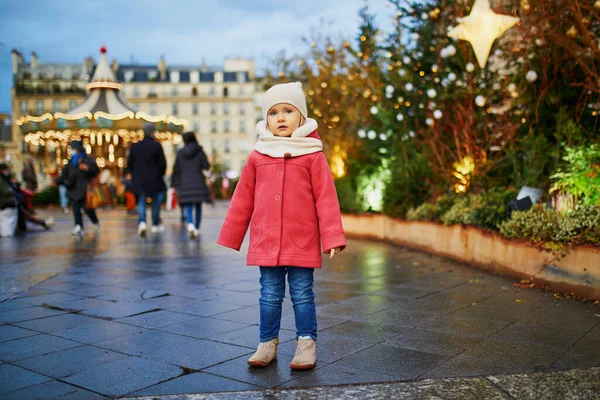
[(112, 315)]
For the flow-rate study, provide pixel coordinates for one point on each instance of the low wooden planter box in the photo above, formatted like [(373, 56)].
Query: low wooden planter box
[(578, 272)]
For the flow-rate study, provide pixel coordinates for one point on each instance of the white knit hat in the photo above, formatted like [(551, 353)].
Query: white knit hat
[(290, 93)]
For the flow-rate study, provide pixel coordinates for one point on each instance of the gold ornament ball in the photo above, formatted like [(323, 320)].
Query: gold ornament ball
[(330, 50), (597, 4), (572, 32)]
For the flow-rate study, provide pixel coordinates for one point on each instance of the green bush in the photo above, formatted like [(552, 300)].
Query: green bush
[(425, 212), (543, 225), (347, 195), (580, 173)]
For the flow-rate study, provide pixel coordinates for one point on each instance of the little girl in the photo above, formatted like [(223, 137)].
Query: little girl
[(287, 196)]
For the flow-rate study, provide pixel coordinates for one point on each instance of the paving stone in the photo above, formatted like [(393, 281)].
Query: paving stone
[(205, 308), (27, 314), (585, 353), (202, 327), (249, 337), (145, 343), (330, 348), (463, 366), (445, 343), (197, 382), (402, 364), (546, 334), (336, 375), (374, 333), (529, 354), (490, 313), (119, 310), (155, 319), (276, 373), (465, 326), (57, 323), (124, 376), (14, 378), (79, 305), (52, 390), (401, 318), (198, 354), (98, 331), (248, 315), (60, 364), (9, 332), (576, 384), (32, 346)]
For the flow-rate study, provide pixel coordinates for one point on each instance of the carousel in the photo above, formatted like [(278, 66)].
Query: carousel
[(103, 122)]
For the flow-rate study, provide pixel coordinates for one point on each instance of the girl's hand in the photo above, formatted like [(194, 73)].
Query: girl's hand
[(333, 252)]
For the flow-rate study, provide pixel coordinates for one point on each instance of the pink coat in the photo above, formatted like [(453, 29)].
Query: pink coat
[(292, 208)]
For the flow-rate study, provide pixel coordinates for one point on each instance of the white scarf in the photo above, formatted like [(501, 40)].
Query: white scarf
[(296, 145)]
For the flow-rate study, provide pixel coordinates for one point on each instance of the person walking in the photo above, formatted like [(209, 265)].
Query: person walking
[(287, 196), (76, 175), (147, 165), (189, 181), (29, 176)]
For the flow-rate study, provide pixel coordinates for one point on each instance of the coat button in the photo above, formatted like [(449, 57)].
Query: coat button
[(277, 197), (275, 248), (279, 172), (276, 222)]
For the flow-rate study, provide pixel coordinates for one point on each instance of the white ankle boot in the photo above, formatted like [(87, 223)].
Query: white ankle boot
[(306, 354), (265, 353)]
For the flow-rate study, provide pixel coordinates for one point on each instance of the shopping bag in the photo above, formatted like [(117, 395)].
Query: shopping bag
[(8, 221), (96, 195)]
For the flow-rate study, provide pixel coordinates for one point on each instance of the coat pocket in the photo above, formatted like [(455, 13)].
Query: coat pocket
[(256, 233), (302, 235)]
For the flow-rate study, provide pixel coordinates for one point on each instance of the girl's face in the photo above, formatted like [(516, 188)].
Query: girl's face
[(283, 119)]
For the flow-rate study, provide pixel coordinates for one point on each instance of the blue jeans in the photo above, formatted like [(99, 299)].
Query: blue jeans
[(272, 291), (156, 202), (189, 210), (62, 191)]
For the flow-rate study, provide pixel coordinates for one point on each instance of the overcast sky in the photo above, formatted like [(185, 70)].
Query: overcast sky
[(184, 31)]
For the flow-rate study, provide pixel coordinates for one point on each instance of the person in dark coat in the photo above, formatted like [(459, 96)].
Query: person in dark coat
[(76, 175), (29, 176), (147, 165), (189, 181)]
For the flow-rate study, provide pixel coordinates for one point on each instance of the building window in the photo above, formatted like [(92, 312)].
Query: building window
[(213, 146), (136, 92), (227, 165), (225, 108), (194, 109), (72, 104), (175, 109), (152, 92), (213, 108), (211, 92), (242, 126), (242, 109), (194, 91), (153, 108), (225, 92), (226, 146), (23, 107), (241, 91), (57, 106), (226, 126), (196, 127), (39, 107), (128, 76), (213, 126), (174, 91)]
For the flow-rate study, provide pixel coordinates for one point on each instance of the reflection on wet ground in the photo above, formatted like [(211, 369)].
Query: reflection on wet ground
[(112, 314)]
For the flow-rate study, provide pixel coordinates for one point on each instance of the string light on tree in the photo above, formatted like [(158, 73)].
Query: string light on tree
[(481, 28), (470, 67), (531, 76), (480, 101)]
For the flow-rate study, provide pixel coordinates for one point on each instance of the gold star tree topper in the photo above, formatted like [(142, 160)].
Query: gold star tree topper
[(481, 28)]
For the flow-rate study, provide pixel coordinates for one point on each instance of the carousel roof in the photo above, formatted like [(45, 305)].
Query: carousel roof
[(102, 108)]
